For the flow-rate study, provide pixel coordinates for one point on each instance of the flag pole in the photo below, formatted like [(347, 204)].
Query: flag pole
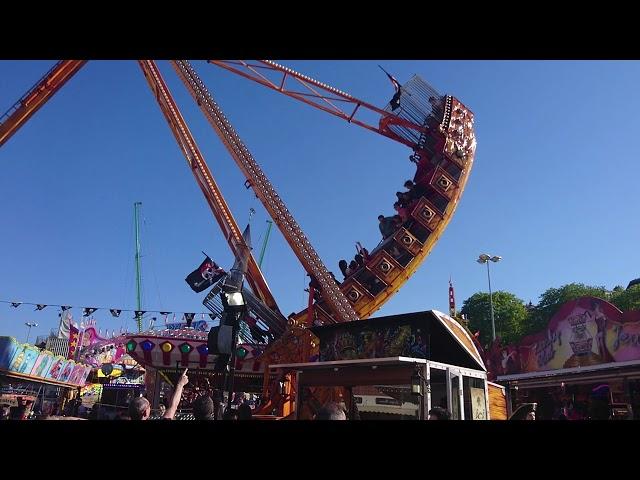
[(138, 279)]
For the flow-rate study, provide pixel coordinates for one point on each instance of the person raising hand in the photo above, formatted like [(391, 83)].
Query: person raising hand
[(170, 413)]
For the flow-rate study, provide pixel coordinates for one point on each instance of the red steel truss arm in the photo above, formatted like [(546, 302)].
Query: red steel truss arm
[(37, 96), (265, 191), (203, 177), (317, 94)]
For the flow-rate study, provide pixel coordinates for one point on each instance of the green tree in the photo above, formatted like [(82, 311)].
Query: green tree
[(551, 301), (628, 299), (509, 313)]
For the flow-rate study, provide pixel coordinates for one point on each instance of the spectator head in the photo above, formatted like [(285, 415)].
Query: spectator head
[(331, 411), (139, 408), (18, 413), (343, 264), (216, 396), (439, 413), (230, 415), (203, 408), (523, 412), (381, 217), (244, 412), (4, 412), (408, 184)]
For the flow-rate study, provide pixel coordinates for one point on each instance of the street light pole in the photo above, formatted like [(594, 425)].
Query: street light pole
[(232, 366), (484, 258), (29, 324), (234, 306), (493, 322)]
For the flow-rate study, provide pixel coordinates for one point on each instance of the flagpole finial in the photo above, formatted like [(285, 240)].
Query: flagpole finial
[(252, 212)]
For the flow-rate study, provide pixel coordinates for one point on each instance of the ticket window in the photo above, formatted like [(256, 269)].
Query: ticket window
[(386, 402), (438, 388), (455, 385), (363, 402), (475, 399)]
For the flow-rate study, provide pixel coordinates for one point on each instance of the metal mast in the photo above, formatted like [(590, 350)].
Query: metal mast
[(138, 273)]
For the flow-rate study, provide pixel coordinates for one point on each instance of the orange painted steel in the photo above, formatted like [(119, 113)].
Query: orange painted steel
[(338, 305), (204, 178), (35, 98)]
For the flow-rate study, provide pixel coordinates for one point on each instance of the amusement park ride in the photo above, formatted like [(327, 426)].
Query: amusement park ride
[(438, 129)]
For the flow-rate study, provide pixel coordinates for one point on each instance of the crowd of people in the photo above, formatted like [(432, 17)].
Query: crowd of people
[(205, 403)]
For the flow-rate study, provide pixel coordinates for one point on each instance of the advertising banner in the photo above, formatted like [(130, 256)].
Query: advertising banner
[(30, 361), (374, 342), (585, 331), (24, 358)]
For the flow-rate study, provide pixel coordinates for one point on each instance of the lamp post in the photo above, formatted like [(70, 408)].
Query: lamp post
[(29, 324), (234, 306), (484, 258)]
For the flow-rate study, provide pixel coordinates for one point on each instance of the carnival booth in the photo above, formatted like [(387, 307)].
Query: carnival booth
[(395, 367), (29, 375), (166, 353), (584, 365), (116, 377)]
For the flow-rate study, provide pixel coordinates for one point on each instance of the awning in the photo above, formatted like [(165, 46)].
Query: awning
[(29, 378), (577, 375)]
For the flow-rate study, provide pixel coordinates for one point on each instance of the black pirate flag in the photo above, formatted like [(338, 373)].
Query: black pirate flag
[(88, 311), (115, 312), (205, 275)]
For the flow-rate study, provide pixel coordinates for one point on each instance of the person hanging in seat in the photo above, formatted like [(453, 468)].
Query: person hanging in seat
[(387, 226), (343, 265), (352, 268), (431, 155), (403, 212), (362, 251), (409, 198)]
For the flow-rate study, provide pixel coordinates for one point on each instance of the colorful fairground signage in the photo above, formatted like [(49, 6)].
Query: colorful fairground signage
[(585, 331), (29, 362), (375, 339)]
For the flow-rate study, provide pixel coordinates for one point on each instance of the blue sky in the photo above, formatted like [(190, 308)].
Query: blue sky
[(552, 189)]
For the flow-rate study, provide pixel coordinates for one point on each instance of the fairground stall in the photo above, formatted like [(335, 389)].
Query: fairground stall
[(166, 353), (115, 377), (37, 379), (584, 365), (395, 367)]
